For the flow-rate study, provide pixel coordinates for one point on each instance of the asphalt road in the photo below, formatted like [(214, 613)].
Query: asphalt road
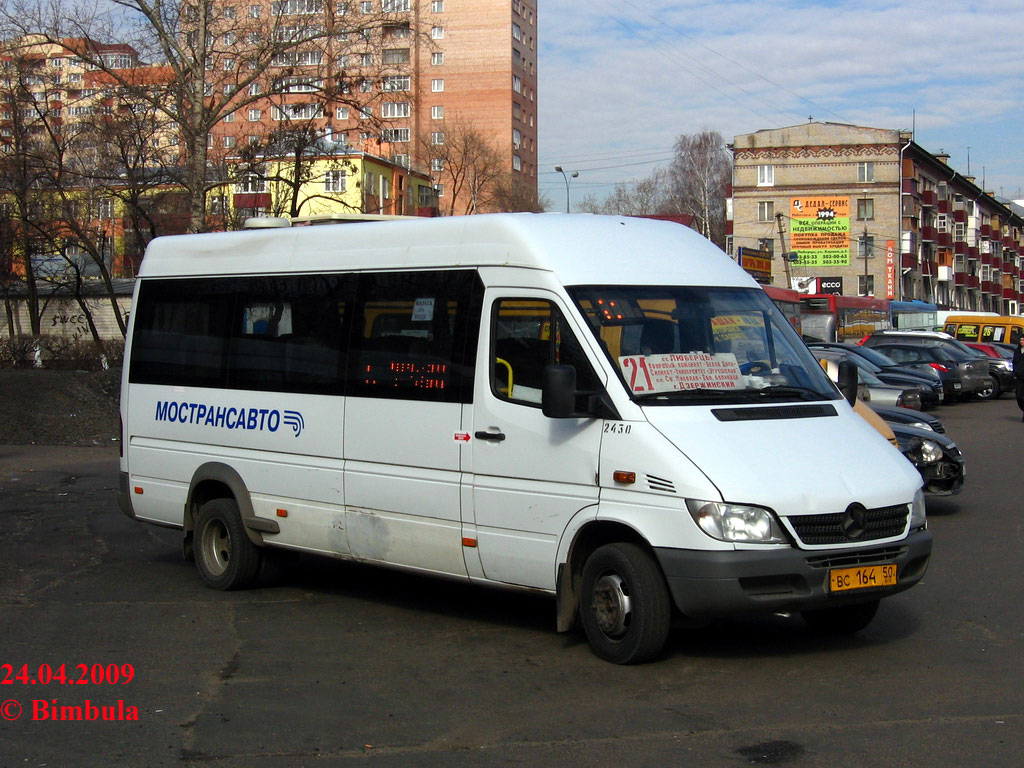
[(349, 665)]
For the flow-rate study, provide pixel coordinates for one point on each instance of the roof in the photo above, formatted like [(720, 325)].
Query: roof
[(579, 248)]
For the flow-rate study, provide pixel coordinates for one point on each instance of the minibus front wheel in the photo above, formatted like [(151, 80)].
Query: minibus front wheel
[(625, 607), (225, 556)]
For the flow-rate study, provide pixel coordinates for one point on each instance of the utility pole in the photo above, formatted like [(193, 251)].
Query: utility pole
[(867, 252), (785, 253)]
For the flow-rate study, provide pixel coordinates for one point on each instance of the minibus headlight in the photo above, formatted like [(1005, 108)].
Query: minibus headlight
[(917, 513), (735, 522)]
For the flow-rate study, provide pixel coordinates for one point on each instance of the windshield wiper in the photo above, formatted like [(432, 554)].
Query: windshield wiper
[(694, 393), (788, 391)]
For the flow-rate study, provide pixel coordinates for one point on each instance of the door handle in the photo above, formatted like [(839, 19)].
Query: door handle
[(495, 436)]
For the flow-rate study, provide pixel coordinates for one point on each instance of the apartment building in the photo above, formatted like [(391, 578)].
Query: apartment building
[(867, 211), (397, 79)]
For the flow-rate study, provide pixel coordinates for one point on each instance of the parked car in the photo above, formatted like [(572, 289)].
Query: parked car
[(909, 418), (938, 350), (872, 389), (1000, 369), (927, 380), (939, 460)]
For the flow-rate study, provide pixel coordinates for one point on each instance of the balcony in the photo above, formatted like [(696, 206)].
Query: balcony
[(972, 252), (929, 268), (910, 186), (909, 261), (928, 234), (1009, 293), (944, 206), (960, 215), (986, 230), (960, 278), (960, 248), (987, 286), (973, 282), (928, 198), (944, 239)]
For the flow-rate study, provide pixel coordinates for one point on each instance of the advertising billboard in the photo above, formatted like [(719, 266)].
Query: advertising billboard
[(820, 231)]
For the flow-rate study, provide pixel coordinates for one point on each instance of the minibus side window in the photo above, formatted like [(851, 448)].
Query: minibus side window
[(181, 332), (1015, 333), (414, 336), (287, 334), (526, 336)]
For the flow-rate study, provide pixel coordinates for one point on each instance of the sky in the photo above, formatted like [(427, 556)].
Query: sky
[(620, 80)]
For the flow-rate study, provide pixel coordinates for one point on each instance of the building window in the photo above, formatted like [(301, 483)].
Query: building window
[(437, 138), (395, 109), (437, 85), (765, 210), (393, 83), (394, 6), (437, 6), (255, 115), (395, 134), (437, 113), (229, 142), (865, 285), (517, 84), (437, 164), (395, 56), (334, 181), (437, 58), (254, 11), (865, 172), (766, 175), (865, 209), (341, 113), (517, 163), (366, 6), (437, 33), (250, 182), (517, 138), (865, 247)]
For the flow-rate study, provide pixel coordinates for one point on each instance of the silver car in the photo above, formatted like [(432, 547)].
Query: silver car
[(934, 349)]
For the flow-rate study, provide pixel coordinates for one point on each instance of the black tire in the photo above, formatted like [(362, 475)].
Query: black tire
[(225, 556), (990, 391), (843, 619), (625, 607)]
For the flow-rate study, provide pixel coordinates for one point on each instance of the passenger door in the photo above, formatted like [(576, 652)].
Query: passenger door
[(410, 370), (530, 474)]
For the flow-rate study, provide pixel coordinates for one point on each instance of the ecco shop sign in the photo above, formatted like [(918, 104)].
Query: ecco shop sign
[(226, 417), (832, 285)]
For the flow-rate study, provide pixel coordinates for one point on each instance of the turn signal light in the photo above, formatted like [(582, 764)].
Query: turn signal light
[(621, 476)]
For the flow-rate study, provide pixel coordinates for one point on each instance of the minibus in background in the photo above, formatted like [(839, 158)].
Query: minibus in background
[(604, 409), (985, 329), (827, 317), (913, 315)]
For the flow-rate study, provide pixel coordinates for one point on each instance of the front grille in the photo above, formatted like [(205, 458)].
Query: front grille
[(858, 557), (880, 523)]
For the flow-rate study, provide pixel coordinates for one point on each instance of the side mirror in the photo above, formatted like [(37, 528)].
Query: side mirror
[(558, 393), (848, 381)]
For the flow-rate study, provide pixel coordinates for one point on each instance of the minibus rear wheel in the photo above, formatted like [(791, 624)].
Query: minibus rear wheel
[(625, 607), (842, 619), (225, 556)]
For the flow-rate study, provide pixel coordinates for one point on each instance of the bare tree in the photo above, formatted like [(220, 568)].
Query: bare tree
[(641, 198), (698, 179), (514, 192), (214, 59), (465, 163)]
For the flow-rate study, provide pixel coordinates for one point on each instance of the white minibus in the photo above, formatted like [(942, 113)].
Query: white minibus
[(606, 409)]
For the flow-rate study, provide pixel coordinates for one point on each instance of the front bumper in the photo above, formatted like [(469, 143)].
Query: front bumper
[(711, 584)]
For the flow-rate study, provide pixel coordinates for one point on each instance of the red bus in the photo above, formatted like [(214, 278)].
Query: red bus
[(839, 318), (788, 303)]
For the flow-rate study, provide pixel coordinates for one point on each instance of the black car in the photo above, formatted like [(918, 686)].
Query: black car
[(910, 418), (937, 458), (929, 384), (963, 374)]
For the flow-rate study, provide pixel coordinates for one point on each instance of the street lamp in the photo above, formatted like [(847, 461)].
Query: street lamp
[(574, 174)]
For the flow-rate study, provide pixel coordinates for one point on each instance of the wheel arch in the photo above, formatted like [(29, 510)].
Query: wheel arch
[(216, 480), (588, 538)]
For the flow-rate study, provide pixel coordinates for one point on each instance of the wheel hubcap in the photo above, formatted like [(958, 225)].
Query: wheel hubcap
[(216, 546), (611, 605)]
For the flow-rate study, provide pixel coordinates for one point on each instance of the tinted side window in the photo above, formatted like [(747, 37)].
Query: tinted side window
[(414, 335), (181, 332), (279, 334), (287, 333)]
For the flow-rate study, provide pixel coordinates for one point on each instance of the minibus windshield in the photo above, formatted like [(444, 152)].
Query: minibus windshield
[(693, 345)]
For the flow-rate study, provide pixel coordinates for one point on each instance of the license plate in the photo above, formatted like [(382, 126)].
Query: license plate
[(865, 577)]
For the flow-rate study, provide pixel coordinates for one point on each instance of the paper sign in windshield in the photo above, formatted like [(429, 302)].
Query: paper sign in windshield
[(676, 372)]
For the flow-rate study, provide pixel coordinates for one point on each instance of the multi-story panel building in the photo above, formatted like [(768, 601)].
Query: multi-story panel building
[(867, 211), (393, 78)]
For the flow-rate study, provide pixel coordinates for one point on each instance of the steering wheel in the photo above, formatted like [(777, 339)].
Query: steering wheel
[(756, 368)]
